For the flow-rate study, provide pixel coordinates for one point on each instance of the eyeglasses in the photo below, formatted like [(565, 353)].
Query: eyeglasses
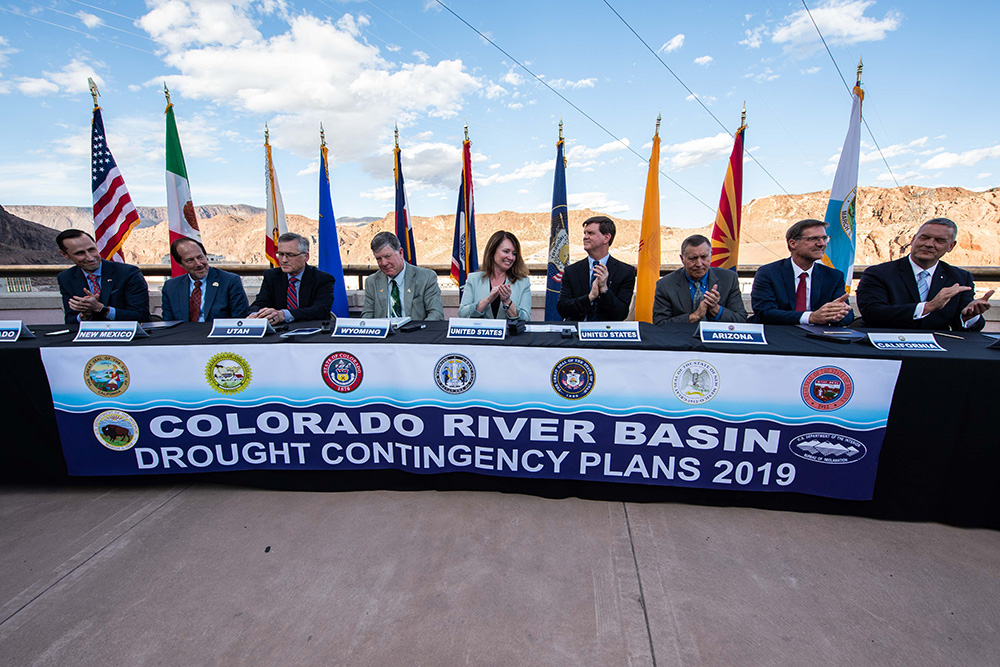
[(813, 239), (288, 255)]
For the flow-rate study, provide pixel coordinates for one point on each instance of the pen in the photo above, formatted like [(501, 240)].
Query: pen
[(938, 333)]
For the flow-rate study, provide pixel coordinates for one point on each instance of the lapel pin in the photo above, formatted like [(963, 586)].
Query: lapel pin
[(215, 284)]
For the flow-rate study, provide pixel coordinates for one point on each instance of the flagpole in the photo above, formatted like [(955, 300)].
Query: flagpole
[(94, 92)]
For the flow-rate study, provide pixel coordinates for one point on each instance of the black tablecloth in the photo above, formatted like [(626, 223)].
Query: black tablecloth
[(938, 459)]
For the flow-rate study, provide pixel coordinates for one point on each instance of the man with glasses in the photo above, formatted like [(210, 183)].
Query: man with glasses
[(920, 291), (801, 289), (399, 289), (294, 290)]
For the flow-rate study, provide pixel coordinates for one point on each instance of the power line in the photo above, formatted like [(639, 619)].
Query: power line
[(692, 93), (79, 32), (567, 101), (102, 24)]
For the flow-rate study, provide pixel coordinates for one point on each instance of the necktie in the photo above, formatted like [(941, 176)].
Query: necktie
[(923, 284), (395, 307), (194, 303), (699, 294), (95, 284), (800, 294), (293, 294)]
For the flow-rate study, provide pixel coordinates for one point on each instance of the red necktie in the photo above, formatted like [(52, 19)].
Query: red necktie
[(800, 294), (95, 285), (293, 296), (194, 303)]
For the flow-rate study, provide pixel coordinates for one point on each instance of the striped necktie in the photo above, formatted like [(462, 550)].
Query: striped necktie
[(293, 294)]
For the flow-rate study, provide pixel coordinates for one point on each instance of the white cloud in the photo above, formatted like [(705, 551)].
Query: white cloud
[(562, 83), (527, 172), (35, 87), (386, 193), (596, 201), (421, 56), (985, 174), (755, 37), (70, 79), (393, 48), (89, 20), (515, 106), (767, 75), (709, 100), (425, 165), (494, 90), (966, 159), (315, 70), (513, 77), (841, 22), (811, 70), (311, 168), (579, 153), (886, 177), (703, 60), (891, 151), (522, 191), (676, 42), (698, 151)]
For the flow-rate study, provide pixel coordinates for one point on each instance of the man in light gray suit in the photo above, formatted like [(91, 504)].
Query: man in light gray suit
[(399, 289), (697, 291)]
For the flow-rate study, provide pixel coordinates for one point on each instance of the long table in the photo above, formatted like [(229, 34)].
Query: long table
[(937, 458)]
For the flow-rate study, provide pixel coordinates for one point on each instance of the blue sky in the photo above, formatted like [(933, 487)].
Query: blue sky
[(359, 67)]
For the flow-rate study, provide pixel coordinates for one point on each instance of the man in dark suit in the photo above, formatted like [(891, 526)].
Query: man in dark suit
[(696, 291), (920, 291), (801, 289), (598, 287), (96, 289), (205, 293), (294, 290)]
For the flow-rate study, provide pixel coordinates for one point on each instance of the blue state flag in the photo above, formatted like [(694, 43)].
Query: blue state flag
[(329, 245), (558, 237), (463, 250)]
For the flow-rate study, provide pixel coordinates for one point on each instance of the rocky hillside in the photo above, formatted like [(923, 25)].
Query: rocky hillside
[(887, 218), (25, 242)]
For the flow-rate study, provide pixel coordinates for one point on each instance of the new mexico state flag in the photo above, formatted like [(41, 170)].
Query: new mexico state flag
[(648, 270)]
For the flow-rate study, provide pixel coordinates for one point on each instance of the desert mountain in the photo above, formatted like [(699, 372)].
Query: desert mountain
[(887, 218), (25, 242)]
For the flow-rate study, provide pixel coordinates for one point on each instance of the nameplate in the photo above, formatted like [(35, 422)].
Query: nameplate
[(598, 331), (108, 332), (350, 327), (732, 332), (11, 330), (923, 342), (477, 328), (240, 328)]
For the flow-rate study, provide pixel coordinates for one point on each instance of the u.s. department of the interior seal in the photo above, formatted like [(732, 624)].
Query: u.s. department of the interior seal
[(116, 430), (228, 373), (106, 375), (573, 378), (454, 373), (827, 388), (342, 372), (696, 382)]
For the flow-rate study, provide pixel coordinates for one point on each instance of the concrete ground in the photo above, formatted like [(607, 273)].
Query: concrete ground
[(225, 575)]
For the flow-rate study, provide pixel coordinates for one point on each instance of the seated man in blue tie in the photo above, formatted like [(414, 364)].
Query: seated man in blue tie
[(697, 291), (801, 289), (597, 288), (204, 293), (293, 290), (920, 291), (96, 289)]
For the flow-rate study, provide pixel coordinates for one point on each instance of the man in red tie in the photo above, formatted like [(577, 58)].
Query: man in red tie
[(801, 289), (204, 293), (294, 290), (96, 289)]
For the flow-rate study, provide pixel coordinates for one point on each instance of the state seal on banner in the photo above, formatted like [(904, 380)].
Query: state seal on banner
[(573, 378), (342, 372), (106, 375), (116, 430), (827, 388), (228, 373), (696, 382), (454, 373)]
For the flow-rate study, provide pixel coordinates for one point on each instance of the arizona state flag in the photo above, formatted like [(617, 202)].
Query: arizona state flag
[(404, 226), (558, 237), (726, 233), (648, 269), (463, 250), (181, 219), (275, 222)]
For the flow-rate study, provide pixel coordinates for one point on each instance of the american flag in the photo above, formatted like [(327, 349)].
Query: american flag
[(114, 213)]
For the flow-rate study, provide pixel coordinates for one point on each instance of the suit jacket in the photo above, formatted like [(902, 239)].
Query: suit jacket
[(315, 294), (421, 295), (122, 288), (477, 287), (224, 296), (672, 302), (612, 306), (888, 295), (773, 294)]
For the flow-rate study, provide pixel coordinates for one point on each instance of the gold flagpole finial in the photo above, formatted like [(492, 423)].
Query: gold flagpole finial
[(860, 67), (94, 92), (166, 92), (560, 129), (267, 133), (396, 133), (466, 130), (658, 118), (322, 135)]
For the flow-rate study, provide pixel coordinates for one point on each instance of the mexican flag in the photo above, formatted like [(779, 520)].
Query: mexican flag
[(181, 218)]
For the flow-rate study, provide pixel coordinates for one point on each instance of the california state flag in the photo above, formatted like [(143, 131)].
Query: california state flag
[(275, 220), (181, 219)]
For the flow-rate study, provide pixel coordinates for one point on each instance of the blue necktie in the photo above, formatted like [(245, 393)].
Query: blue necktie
[(923, 284)]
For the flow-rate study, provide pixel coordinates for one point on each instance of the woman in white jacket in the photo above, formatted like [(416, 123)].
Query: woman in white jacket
[(502, 289)]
